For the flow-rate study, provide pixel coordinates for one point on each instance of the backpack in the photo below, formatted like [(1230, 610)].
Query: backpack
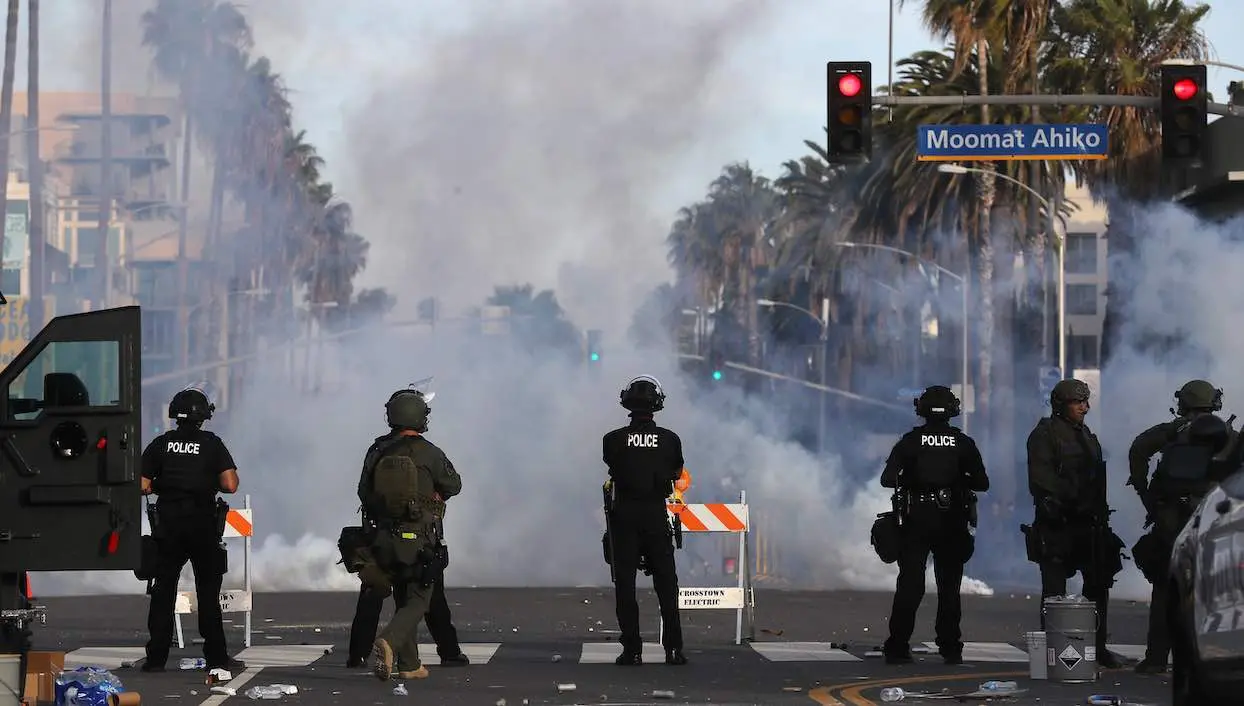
[(400, 487)]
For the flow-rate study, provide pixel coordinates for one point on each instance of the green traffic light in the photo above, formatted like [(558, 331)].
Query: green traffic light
[(716, 374), (595, 357)]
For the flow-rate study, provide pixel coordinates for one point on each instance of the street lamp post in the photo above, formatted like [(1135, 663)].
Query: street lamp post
[(1061, 296), (963, 288), (823, 320)]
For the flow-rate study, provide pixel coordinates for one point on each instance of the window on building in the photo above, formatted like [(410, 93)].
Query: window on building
[(88, 246), (1081, 256), (1082, 299), (66, 239), (11, 282), (1082, 352), (158, 332)]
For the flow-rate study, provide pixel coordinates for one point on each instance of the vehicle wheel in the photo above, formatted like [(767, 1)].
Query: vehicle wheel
[(1188, 687)]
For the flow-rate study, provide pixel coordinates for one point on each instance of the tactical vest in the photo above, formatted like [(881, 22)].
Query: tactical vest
[(185, 476), (1185, 466), (403, 492), (937, 459)]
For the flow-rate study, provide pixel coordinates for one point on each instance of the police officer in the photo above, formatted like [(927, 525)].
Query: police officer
[(370, 602), (937, 469), (186, 467), (1071, 530), (1193, 447), (405, 482), (644, 460)]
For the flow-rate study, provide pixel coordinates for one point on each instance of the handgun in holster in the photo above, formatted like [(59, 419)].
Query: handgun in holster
[(607, 490), (677, 525), (222, 516), (973, 512)]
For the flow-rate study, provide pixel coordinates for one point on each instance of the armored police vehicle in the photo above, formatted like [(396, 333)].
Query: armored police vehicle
[(70, 449), (1207, 600)]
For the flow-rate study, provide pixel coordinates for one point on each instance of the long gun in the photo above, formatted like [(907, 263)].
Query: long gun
[(608, 504)]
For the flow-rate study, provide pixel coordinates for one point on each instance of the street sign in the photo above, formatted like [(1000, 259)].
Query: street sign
[(965, 143), (1048, 378)]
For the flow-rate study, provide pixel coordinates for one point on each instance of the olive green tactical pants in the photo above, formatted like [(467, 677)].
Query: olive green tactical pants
[(402, 632)]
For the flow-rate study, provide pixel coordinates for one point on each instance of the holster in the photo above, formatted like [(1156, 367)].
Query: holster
[(1152, 556), (222, 516), (354, 544), (1032, 543)]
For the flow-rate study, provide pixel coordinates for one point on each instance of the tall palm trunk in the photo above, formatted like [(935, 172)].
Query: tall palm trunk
[(183, 261), (34, 169), (985, 257), (6, 109)]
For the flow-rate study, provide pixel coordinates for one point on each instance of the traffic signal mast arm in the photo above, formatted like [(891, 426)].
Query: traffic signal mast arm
[(1049, 100)]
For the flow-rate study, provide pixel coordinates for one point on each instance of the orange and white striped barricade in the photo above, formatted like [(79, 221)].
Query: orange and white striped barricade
[(721, 517), (238, 524)]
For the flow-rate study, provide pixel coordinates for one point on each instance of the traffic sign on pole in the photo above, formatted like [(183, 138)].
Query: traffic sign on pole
[(963, 143)]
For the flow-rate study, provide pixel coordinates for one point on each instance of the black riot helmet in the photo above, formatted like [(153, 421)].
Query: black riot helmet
[(190, 405), (408, 409), (1067, 391), (1197, 396), (643, 395), (937, 402)]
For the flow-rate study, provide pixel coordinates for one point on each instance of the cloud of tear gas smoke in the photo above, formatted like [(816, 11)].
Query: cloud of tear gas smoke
[(1186, 275), (527, 147)]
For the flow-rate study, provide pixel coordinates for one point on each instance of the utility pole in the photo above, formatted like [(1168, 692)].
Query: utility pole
[(34, 170), (105, 146)]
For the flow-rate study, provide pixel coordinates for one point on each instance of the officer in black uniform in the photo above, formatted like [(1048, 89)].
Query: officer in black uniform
[(644, 460), (186, 467), (937, 471), (1071, 531), (1193, 459)]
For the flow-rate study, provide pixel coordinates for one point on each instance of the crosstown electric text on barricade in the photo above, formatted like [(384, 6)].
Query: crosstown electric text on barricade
[(1011, 142)]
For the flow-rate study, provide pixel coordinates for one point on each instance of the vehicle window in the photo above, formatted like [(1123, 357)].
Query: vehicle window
[(68, 373)]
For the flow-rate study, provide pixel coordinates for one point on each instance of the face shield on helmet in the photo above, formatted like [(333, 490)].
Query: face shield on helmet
[(643, 394)]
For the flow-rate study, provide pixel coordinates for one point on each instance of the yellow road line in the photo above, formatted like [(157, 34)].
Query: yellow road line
[(849, 694)]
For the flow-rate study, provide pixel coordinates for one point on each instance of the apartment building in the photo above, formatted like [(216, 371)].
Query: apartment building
[(1085, 279)]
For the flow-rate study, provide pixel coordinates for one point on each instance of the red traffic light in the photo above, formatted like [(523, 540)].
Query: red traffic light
[(849, 85), (1185, 89)]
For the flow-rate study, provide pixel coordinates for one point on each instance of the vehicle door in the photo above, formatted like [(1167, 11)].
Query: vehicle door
[(70, 446)]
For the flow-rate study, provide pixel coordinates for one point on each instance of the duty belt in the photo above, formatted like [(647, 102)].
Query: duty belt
[(944, 498)]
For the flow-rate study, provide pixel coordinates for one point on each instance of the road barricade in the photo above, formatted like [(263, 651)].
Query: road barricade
[(733, 518)]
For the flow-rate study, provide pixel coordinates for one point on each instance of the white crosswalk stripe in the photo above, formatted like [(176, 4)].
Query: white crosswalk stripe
[(802, 652), (480, 653)]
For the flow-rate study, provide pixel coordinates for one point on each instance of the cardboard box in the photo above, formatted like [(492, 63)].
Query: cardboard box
[(46, 666)]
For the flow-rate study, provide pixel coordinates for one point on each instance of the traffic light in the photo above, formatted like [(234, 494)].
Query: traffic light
[(850, 111), (593, 345), (1185, 103)]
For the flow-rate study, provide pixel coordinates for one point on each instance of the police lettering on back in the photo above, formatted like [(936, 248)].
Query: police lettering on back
[(183, 447), (642, 441), (938, 440)]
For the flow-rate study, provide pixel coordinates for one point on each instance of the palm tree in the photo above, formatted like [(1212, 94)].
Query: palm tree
[(537, 319), (1116, 47), (187, 37)]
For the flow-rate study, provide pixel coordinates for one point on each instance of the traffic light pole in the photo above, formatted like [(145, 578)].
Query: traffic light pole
[(1049, 100)]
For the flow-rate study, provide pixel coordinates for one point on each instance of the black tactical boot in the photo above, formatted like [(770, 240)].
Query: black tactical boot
[(675, 657), (458, 660), (1149, 665), (629, 658)]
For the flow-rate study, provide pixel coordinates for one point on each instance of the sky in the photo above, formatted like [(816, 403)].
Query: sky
[(776, 78)]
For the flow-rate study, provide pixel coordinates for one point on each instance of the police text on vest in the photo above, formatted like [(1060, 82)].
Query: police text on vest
[(643, 441), (937, 440), (183, 447)]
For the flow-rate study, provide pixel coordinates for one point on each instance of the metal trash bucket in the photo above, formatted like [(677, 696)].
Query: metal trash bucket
[(1071, 639), (1037, 659)]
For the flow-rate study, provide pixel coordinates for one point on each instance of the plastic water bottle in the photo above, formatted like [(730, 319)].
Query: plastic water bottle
[(892, 693), (1000, 687)]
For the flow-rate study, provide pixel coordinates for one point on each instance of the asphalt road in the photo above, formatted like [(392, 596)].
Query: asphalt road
[(527, 645)]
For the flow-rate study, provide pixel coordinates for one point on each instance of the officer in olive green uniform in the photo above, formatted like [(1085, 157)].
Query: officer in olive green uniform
[(1071, 531), (1194, 447), (405, 482)]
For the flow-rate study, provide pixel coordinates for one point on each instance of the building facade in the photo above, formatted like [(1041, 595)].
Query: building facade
[(1084, 282)]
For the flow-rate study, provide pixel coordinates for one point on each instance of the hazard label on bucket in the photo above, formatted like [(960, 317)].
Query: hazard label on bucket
[(1069, 657)]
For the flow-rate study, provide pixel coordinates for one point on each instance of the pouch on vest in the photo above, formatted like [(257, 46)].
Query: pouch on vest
[(399, 488), (355, 547), (1151, 555)]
